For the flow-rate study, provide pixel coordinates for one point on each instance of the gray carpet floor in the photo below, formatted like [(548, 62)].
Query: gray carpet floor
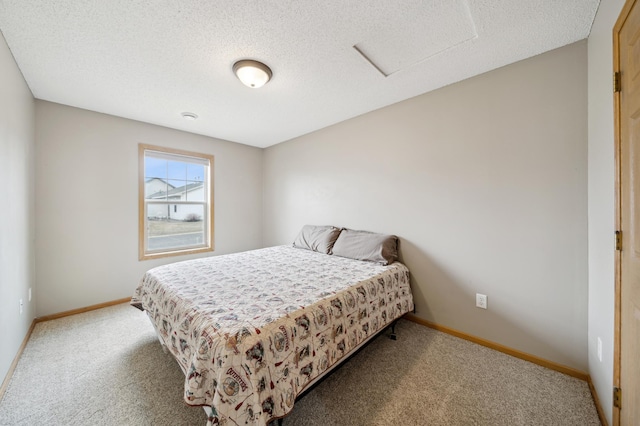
[(106, 367)]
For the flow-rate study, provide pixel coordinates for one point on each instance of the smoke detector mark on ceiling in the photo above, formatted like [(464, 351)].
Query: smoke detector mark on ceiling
[(440, 26)]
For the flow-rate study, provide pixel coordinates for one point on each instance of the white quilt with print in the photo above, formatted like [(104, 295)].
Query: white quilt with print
[(251, 330)]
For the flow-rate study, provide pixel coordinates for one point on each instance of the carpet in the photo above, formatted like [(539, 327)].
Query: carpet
[(106, 367)]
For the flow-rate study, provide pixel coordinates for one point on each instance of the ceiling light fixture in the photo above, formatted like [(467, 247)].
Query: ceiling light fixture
[(189, 116), (251, 73)]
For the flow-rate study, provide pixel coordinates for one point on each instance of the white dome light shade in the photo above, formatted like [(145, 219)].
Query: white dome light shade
[(252, 74)]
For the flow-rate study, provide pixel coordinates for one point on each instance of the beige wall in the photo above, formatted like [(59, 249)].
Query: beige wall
[(87, 208), (485, 181), (601, 201), (17, 142)]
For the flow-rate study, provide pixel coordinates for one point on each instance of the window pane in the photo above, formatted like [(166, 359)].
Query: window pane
[(155, 189), (155, 168), (177, 189), (175, 226), (195, 172), (157, 212), (155, 181), (195, 191), (174, 179), (177, 170)]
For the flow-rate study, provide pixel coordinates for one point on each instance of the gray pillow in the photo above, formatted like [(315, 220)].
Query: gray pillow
[(317, 238), (369, 246)]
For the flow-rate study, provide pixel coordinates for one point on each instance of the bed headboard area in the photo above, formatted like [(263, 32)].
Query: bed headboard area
[(350, 243)]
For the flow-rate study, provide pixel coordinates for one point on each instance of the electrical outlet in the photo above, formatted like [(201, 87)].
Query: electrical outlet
[(21, 306), (481, 301), (29, 294), (599, 349)]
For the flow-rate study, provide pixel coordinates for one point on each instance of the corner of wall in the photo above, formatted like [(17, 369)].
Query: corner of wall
[(17, 171)]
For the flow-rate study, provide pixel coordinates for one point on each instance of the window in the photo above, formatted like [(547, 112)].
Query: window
[(175, 202)]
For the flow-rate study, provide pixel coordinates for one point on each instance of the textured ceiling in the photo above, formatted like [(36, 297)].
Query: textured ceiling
[(151, 60)]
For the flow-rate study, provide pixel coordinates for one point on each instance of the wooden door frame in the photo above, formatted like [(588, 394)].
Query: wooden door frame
[(624, 13)]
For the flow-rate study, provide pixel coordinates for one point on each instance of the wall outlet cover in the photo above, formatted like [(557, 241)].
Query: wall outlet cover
[(481, 301)]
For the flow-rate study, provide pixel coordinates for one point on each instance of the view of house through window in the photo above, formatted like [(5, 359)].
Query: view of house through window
[(176, 202)]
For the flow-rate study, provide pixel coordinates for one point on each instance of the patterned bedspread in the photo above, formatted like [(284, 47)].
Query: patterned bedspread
[(251, 330)]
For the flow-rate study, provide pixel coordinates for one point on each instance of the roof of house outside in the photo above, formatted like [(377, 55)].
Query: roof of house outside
[(177, 191), (160, 179)]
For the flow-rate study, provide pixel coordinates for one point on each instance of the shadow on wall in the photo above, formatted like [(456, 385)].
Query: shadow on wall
[(431, 283)]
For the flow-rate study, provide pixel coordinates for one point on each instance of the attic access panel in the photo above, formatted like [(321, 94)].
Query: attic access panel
[(434, 27)]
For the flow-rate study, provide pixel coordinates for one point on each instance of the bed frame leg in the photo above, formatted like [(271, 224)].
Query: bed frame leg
[(393, 331)]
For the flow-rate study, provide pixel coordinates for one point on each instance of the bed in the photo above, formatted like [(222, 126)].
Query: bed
[(252, 330)]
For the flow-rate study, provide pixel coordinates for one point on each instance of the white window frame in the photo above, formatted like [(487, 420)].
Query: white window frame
[(177, 155)]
